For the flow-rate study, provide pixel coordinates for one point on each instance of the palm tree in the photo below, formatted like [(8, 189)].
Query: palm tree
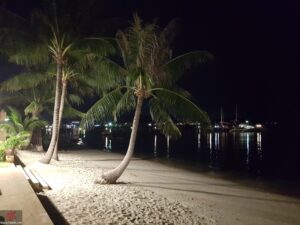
[(34, 92), (16, 124), (49, 38), (38, 47), (67, 76), (29, 90), (148, 75)]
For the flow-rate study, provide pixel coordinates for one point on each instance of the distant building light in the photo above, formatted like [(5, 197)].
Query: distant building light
[(216, 126), (6, 119), (258, 126), (247, 121), (149, 124), (110, 124), (97, 125)]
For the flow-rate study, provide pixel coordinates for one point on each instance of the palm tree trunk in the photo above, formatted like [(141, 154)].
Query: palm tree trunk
[(61, 110), (112, 176), (55, 126), (36, 139)]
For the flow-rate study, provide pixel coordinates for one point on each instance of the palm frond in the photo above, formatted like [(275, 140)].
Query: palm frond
[(74, 99), (102, 109), (24, 81), (107, 74), (33, 107), (14, 125), (31, 123), (14, 115), (164, 122), (83, 85), (70, 112), (30, 54), (167, 35), (123, 45), (175, 67), (8, 128), (126, 103), (181, 108)]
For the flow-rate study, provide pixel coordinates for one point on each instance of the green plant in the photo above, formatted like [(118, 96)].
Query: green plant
[(17, 141), (2, 152), (16, 124)]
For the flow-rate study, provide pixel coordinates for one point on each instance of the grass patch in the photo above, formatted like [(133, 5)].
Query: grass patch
[(4, 164)]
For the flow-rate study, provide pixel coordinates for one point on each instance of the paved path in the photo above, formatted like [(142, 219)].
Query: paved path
[(17, 194)]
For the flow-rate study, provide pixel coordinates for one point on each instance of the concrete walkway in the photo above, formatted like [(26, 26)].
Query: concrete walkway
[(17, 194)]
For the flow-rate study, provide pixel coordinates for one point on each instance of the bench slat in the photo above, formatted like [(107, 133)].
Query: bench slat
[(19, 167), (33, 179), (41, 180)]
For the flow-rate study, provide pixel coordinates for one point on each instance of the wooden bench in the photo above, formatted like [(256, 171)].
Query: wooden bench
[(42, 182), (34, 178)]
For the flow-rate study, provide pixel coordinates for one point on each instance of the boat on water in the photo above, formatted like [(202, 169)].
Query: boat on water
[(222, 125), (235, 126), (247, 127)]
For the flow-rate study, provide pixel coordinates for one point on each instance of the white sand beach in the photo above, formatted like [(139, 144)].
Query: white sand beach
[(153, 193)]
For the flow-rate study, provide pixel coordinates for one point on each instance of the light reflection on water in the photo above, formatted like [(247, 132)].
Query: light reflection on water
[(168, 147), (259, 145), (199, 138), (107, 146), (155, 145), (218, 150)]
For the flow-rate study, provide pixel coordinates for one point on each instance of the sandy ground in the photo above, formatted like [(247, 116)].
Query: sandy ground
[(153, 193)]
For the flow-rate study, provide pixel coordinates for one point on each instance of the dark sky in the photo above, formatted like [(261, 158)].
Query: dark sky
[(256, 46)]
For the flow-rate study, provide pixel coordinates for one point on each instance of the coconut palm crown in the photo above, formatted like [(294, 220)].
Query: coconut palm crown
[(148, 74)]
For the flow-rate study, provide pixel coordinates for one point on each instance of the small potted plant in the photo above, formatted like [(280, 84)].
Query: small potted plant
[(15, 142)]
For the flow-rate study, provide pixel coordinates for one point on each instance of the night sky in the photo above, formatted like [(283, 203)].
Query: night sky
[(256, 45)]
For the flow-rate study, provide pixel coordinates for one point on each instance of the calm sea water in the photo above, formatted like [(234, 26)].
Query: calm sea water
[(268, 153)]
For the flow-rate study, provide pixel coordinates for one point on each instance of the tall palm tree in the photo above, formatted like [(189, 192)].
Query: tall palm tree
[(148, 75), (39, 46), (67, 76), (49, 38)]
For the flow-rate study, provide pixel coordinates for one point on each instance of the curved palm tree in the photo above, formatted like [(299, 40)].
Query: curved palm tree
[(148, 75)]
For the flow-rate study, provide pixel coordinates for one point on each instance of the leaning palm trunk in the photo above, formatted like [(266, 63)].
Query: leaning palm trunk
[(61, 110), (111, 176), (55, 129)]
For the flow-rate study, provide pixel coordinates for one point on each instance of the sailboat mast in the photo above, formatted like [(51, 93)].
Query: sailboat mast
[(236, 113), (221, 115)]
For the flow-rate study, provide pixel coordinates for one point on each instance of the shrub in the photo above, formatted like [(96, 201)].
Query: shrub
[(2, 152)]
